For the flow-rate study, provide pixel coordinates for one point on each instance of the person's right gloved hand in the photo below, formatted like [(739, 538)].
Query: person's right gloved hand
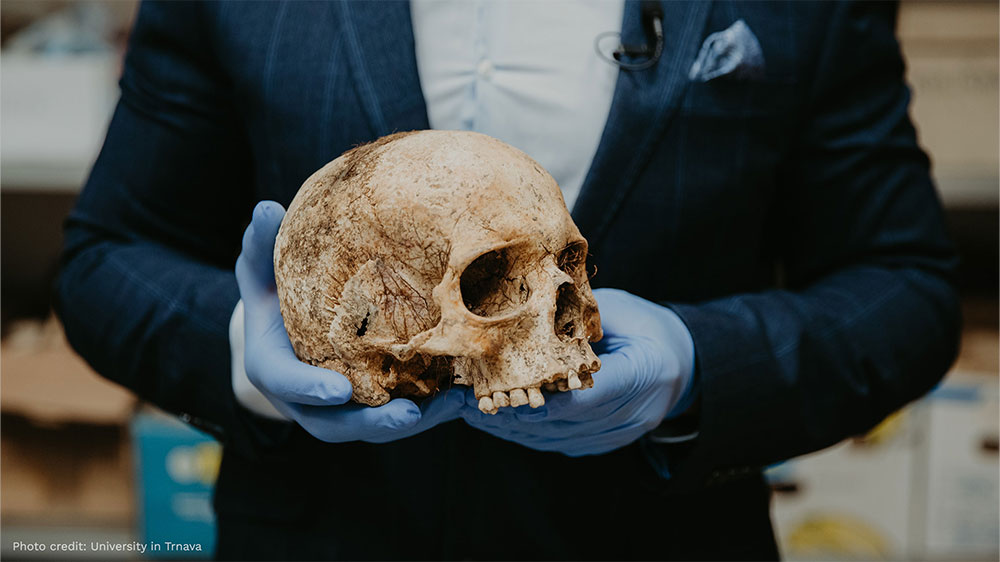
[(316, 398)]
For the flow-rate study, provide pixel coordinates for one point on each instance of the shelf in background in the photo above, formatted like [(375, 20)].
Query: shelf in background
[(55, 113)]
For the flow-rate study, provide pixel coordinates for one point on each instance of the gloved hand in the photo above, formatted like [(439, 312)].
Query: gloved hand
[(647, 370), (314, 397)]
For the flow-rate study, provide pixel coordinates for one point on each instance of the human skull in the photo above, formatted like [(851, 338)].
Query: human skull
[(436, 257)]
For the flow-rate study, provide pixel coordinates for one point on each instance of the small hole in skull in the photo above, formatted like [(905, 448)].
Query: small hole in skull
[(363, 328), (491, 285), (569, 309)]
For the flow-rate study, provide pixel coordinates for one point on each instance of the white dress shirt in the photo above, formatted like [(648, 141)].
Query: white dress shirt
[(522, 71)]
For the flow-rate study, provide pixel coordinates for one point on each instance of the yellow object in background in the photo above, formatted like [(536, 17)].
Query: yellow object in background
[(885, 432), (198, 463), (837, 536)]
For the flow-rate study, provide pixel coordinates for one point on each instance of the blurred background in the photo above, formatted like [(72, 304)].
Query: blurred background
[(83, 461)]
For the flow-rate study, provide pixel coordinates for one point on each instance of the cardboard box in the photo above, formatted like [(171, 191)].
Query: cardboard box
[(923, 485), (78, 457), (176, 470), (962, 491), (66, 475), (65, 458), (851, 501), (44, 380), (951, 52)]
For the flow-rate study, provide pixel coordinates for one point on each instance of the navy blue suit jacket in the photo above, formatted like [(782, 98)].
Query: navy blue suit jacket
[(789, 219)]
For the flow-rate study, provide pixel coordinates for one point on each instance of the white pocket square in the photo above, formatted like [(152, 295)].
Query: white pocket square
[(733, 51)]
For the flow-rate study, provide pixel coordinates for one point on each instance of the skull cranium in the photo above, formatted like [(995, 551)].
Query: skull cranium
[(432, 257)]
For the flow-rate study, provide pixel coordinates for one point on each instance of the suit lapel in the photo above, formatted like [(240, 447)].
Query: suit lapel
[(643, 103), (379, 41), (380, 49)]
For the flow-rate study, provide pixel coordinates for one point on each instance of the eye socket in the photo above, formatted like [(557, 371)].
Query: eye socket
[(573, 260), (492, 286)]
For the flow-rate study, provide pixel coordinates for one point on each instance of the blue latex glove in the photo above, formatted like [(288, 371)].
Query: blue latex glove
[(314, 397), (647, 370)]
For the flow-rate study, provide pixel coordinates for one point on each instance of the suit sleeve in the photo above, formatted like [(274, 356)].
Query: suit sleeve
[(146, 287), (867, 319)]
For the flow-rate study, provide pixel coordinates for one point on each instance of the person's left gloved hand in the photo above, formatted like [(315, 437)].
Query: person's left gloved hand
[(647, 371)]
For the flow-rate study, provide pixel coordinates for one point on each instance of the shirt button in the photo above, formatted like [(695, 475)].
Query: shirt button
[(485, 69)]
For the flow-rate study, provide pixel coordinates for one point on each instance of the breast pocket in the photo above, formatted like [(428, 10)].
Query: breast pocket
[(730, 138), (733, 98)]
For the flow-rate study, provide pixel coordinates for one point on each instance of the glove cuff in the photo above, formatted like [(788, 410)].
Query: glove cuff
[(684, 353), (246, 393)]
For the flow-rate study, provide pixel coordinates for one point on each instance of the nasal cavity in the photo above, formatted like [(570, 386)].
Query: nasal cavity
[(569, 311)]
